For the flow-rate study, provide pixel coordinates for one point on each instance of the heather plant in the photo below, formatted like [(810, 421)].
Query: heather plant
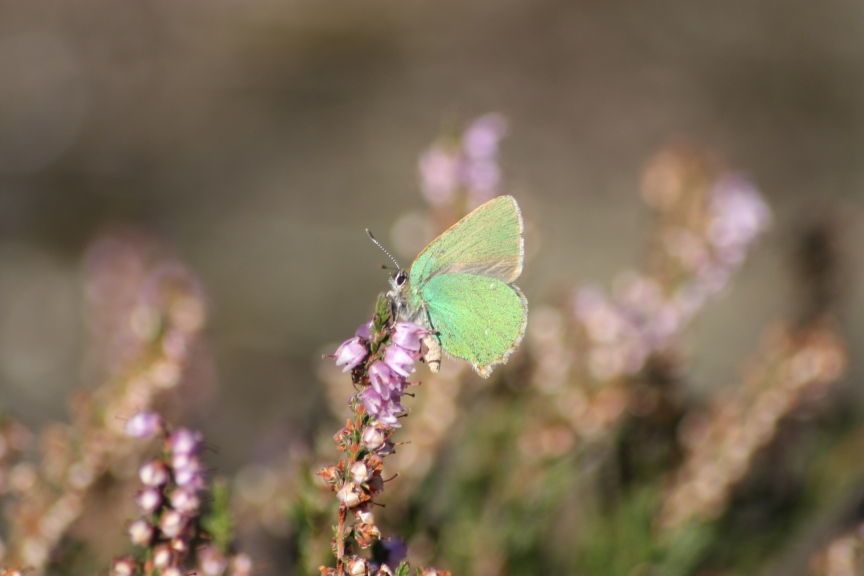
[(589, 452), (380, 357), (177, 533), (69, 490)]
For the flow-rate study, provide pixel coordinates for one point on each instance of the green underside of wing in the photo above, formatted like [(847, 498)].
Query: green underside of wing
[(487, 242), (478, 318)]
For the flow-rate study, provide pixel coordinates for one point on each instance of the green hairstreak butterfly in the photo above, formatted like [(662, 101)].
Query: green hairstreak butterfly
[(460, 288)]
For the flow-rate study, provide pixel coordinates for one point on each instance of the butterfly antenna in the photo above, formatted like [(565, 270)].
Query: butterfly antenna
[(377, 243)]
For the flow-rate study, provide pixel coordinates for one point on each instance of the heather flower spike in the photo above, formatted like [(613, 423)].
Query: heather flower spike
[(171, 526), (380, 356)]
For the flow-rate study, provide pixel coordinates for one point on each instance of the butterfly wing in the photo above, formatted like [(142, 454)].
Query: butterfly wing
[(486, 242), (478, 318)]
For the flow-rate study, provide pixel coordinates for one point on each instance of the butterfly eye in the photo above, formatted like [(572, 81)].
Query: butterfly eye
[(401, 278)]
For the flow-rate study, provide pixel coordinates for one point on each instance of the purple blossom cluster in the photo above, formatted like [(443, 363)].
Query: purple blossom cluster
[(642, 316), (169, 501), (170, 505), (468, 164), (387, 370), (380, 357)]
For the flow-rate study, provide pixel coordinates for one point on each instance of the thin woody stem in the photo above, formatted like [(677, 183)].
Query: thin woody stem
[(340, 538)]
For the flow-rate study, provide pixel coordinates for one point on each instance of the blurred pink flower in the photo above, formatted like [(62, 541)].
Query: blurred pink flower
[(143, 425)]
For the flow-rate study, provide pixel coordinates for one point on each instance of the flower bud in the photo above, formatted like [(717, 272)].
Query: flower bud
[(212, 561), (123, 567), (148, 500), (185, 501), (241, 565), (357, 566), (141, 532), (373, 437), (189, 474), (172, 523), (364, 332), (163, 556), (184, 441), (351, 495), (360, 473), (364, 515), (154, 473)]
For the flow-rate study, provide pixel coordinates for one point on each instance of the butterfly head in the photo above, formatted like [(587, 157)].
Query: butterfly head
[(398, 282), (398, 286)]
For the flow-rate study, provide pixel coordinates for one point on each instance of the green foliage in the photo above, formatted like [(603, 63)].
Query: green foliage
[(217, 520)]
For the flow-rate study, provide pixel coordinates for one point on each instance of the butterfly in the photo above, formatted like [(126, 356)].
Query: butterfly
[(460, 287)]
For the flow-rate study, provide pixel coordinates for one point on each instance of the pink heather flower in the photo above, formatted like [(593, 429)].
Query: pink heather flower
[(241, 565), (181, 461), (384, 411), (373, 437), (143, 425), (163, 556), (123, 567), (173, 571), (481, 138), (358, 566), (484, 176), (185, 501), (349, 494), (350, 354), (364, 514), (399, 360), (372, 401), (184, 441), (154, 474), (212, 562), (381, 378), (148, 500), (738, 213), (189, 475), (360, 473), (364, 332), (141, 532), (389, 414), (172, 523), (408, 335), (439, 175)]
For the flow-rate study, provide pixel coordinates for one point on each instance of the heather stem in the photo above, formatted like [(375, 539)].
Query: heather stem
[(379, 357)]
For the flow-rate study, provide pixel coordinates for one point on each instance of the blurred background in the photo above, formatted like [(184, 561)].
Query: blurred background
[(255, 141)]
